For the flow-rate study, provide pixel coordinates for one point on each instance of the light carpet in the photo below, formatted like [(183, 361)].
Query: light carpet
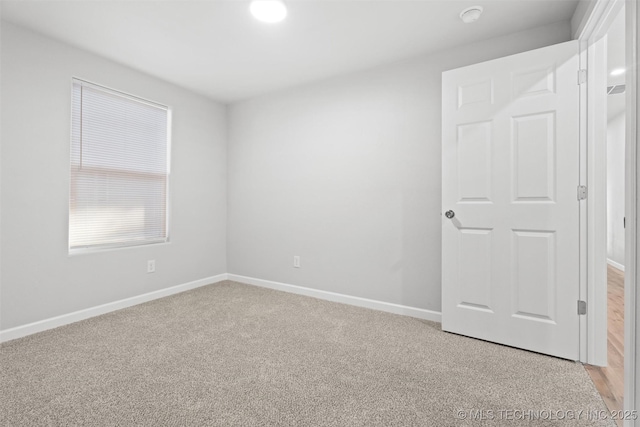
[(231, 354)]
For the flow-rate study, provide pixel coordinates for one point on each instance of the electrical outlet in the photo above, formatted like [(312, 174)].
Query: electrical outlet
[(151, 266), (296, 261)]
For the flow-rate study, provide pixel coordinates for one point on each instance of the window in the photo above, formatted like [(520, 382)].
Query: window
[(119, 169)]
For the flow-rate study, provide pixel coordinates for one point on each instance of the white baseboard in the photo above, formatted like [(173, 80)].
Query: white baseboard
[(404, 310), (617, 265), (65, 319)]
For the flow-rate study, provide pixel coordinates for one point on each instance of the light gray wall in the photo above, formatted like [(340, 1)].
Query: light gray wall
[(615, 188), (39, 279), (346, 173)]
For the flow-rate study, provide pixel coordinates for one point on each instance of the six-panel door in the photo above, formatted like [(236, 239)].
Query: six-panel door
[(510, 164)]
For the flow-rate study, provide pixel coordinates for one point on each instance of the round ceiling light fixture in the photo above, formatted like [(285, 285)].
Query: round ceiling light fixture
[(618, 72), (471, 14), (270, 11)]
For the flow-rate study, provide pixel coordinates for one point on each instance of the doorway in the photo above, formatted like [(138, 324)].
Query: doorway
[(609, 379), (593, 79)]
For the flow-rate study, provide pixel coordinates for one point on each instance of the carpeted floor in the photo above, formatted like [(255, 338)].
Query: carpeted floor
[(235, 355)]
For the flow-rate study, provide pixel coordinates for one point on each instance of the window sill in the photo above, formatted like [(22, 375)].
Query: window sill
[(94, 250)]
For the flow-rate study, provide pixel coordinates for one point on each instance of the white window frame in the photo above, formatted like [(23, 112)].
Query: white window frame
[(133, 244)]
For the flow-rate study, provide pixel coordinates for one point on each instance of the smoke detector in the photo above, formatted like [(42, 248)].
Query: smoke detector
[(471, 14)]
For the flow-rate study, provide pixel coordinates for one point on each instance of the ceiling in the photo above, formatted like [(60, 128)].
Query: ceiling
[(218, 49)]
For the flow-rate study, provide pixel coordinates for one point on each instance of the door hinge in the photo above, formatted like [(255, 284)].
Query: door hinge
[(582, 308), (582, 192), (582, 76)]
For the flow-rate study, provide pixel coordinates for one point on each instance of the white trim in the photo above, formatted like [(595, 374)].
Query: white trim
[(89, 250), (581, 18), (596, 203), (593, 286), (614, 264), (65, 319), (87, 83), (599, 14), (583, 224), (632, 296), (420, 313)]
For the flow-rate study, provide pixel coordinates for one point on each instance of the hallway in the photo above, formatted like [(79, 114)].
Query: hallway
[(610, 380)]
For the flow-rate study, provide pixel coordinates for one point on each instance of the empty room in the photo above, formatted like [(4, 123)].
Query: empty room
[(319, 213)]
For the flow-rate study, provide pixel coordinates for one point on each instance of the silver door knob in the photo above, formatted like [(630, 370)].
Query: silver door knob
[(449, 214)]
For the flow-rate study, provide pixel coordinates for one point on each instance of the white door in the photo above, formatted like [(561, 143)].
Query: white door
[(510, 165)]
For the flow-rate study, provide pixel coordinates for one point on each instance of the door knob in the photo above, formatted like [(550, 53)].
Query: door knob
[(449, 214)]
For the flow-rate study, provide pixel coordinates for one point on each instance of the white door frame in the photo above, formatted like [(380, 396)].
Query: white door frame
[(632, 296), (593, 174), (593, 220)]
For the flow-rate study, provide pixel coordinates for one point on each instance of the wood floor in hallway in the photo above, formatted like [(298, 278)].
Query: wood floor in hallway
[(609, 380)]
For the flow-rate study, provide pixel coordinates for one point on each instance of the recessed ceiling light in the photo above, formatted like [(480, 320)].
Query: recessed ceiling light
[(471, 14), (270, 11), (618, 72)]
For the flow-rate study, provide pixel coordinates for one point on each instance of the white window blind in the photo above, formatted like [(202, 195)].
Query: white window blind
[(119, 169)]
